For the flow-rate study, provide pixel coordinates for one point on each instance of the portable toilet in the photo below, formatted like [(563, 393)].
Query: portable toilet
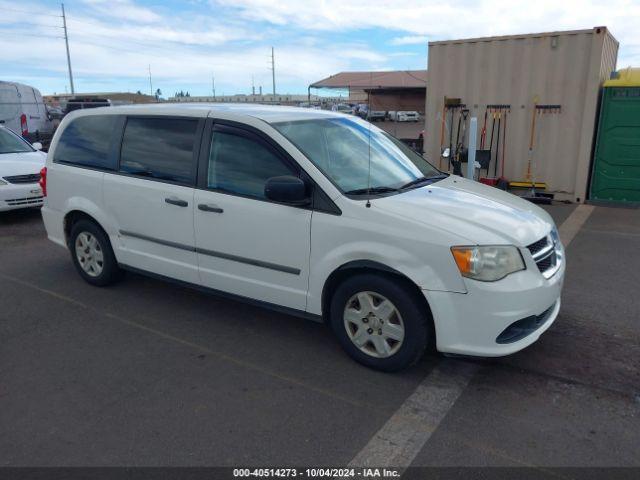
[(616, 167)]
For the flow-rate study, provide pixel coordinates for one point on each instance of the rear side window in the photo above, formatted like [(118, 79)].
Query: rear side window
[(161, 148), (239, 164), (88, 141), (9, 102)]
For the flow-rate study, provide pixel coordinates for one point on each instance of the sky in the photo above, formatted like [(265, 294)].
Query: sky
[(186, 43)]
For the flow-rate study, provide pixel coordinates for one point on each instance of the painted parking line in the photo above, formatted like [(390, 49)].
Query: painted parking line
[(399, 440), (198, 347), (572, 225)]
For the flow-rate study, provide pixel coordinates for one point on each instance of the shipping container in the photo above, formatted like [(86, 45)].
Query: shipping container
[(556, 68)]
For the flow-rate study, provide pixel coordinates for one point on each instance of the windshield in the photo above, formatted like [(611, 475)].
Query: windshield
[(340, 148), (11, 143)]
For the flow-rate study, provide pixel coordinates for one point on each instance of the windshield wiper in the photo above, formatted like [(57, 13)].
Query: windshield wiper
[(422, 180), (373, 190)]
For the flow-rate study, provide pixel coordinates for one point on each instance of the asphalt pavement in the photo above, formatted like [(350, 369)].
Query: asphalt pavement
[(145, 373)]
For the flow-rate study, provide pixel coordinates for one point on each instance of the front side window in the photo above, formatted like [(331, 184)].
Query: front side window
[(87, 141), (11, 143), (355, 155), (160, 148), (242, 165)]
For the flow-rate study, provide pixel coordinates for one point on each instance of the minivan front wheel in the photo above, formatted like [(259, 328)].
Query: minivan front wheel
[(379, 322), (92, 254)]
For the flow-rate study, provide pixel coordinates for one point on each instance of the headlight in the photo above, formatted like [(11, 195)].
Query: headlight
[(487, 264)]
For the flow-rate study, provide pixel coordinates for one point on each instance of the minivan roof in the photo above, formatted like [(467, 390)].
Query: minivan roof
[(267, 113)]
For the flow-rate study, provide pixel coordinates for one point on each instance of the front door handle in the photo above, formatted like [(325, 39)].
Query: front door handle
[(209, 208), (176, 201)]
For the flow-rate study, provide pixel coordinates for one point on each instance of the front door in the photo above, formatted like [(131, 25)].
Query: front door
[(246, 244)]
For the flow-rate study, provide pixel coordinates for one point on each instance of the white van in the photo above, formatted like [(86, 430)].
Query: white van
[(309, 212), (23, 111)]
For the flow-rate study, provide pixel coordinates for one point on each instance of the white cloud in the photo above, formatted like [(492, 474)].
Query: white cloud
[(113, 41), (410, 40), (453, 19), (123, 9)]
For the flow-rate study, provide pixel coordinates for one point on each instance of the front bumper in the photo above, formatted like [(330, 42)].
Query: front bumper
[(470, 323), (15, 196)]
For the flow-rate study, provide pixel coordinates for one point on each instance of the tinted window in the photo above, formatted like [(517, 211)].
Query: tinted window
[(88, 141), (241, 165), (159, 148)]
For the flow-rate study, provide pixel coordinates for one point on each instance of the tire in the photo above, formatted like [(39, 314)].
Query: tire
[(93, 269), (347, 317)]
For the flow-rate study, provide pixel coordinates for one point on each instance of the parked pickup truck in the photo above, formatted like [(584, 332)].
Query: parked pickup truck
[(377, 115)]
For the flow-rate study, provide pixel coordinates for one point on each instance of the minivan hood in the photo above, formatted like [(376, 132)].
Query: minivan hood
[(24, 163), (478, 213)]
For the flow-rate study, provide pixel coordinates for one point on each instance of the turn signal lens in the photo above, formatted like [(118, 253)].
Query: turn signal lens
[(463, 258), (487, 264)]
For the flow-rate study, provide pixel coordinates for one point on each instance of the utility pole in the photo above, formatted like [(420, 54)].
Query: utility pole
[(66, 41), (213, 87), (150, 84), (253, 86), (273, 72)]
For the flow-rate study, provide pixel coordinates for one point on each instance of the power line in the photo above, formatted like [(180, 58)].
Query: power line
[(105, 35), (119, 49), (29, 13), (31, 24), (13, 32)]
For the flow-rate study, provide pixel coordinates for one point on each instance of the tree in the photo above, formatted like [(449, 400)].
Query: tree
[(158, 94), (138, 92)]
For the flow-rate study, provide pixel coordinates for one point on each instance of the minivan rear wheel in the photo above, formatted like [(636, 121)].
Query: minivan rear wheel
[(379, 322), (92, 254)]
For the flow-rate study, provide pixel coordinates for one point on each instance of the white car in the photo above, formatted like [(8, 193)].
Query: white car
[(20, 165), (314, 213), (342, 108), (408, 116)]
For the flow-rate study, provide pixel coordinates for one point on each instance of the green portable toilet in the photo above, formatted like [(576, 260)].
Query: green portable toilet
[(616, 166)]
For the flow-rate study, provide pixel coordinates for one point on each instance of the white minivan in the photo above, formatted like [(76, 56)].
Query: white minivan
[(23, 111), (310, 212)]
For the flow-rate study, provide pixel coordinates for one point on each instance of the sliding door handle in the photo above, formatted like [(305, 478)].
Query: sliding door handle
[(209, 208), (176, 201)]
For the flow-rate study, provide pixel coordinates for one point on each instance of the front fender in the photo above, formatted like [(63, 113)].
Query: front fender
[(427, 270)]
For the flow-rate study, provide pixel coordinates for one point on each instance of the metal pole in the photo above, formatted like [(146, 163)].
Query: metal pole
[(150, 84), (66, 41), (273, 72), (213, 87), (471, 148)]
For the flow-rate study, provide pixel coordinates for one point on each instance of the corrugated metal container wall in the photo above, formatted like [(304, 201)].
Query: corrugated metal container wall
[(565, 68)]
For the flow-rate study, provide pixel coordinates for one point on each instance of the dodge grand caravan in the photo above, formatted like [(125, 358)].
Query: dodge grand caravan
[(310, 212)]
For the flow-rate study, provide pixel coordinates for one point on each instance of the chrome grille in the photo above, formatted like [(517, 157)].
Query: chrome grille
[(33, 178), (547, 253)]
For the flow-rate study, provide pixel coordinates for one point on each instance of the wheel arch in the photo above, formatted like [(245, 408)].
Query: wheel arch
[(72, 217), (357, 267)]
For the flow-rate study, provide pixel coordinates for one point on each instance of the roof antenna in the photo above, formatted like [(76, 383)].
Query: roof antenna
[(368, 204)]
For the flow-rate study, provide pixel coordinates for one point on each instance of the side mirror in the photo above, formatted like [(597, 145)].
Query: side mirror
[(287, 189), (37, 145)]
